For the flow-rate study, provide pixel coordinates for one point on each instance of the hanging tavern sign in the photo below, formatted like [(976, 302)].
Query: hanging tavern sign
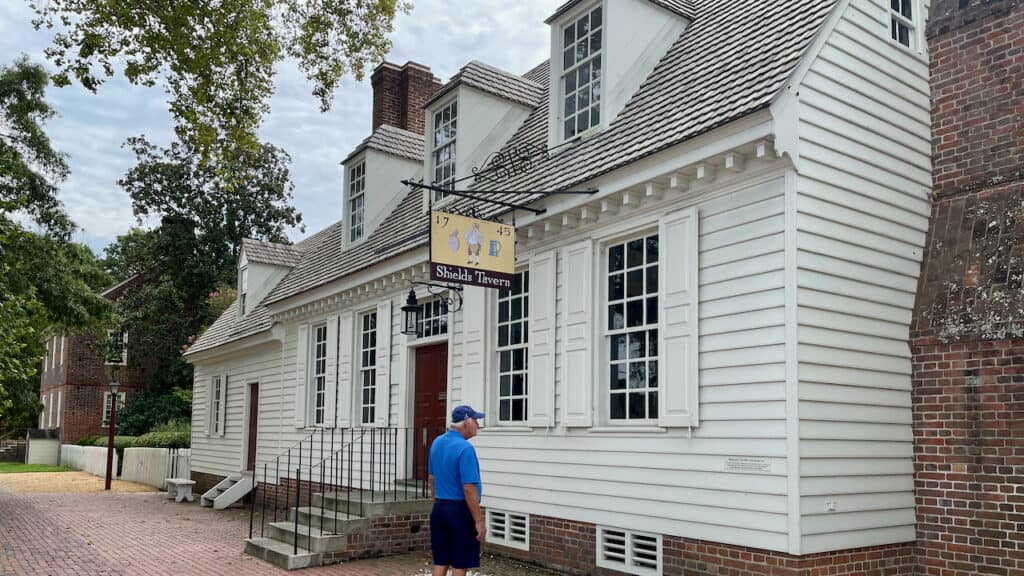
[(471, 251)]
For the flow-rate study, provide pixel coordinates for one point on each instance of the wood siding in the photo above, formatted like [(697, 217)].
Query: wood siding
[(862, 215), (673, 480)]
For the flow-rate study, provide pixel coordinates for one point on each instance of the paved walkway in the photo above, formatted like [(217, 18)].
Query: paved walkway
[(145, 534)]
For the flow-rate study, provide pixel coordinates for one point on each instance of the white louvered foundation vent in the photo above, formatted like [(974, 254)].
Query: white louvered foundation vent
[(508, 529), (628, 551)]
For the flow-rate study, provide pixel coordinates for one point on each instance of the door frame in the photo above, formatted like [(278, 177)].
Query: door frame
[(248, 424), (407, 413)]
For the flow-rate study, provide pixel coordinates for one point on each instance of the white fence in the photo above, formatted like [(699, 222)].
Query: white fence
[(91, 459), (150, 466), (154, 465)]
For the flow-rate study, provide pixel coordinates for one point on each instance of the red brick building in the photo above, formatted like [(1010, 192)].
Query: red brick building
[(968, 331), (75, 381)]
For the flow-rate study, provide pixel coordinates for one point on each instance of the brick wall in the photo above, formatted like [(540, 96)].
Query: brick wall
[(399, 93), (967, 336), (977, 89), (572, 547)]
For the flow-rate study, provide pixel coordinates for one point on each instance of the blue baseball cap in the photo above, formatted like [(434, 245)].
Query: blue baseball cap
[(460, 413)]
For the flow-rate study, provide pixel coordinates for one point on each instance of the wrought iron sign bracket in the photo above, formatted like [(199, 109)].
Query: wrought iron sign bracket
[(453, 299), (479, 195)]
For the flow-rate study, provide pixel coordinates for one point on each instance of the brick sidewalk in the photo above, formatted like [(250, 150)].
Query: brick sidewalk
[(140, 535)]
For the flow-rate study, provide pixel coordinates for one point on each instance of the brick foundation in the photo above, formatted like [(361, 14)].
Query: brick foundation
[(571, 547), (204, 482), (388, 535)]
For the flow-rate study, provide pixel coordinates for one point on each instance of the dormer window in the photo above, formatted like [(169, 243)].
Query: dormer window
[(356, 203), (243, 289), (581, 73), (445, 121), (902, 21)]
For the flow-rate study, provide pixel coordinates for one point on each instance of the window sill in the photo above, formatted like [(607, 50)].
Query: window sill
[(627, 430), (501, 428)]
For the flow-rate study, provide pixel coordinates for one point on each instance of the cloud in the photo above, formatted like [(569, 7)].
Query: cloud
[(91, 128)]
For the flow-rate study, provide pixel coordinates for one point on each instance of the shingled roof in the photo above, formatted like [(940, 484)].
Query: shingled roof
[(684, 8), (271, 252), (494, 81), (729, 62), (391, 140)]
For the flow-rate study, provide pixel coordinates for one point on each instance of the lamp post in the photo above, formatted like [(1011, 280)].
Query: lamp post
[(114, 385)]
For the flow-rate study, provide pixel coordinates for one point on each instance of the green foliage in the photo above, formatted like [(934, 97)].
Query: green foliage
[(217, 58), (17, 467), (149, 409), (120, 442), (31, 168), (89, 441), (175, 434), (47, 285), (189, 263)]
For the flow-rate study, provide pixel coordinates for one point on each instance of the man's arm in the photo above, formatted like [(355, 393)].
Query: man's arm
[(473, 501), (430, 482)]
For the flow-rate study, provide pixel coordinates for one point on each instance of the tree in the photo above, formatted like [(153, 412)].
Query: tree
[(31, 168), (217, 57), (247, 195), (47, 284), (189, 262)]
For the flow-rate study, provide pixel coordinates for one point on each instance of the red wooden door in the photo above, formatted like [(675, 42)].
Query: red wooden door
[(254, 411), (430, 402)]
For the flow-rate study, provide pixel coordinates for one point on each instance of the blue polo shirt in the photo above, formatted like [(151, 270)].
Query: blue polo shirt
[(453, 463)]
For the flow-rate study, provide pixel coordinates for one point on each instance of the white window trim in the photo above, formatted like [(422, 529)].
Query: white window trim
[(444, 314), (912, 23), (311, 375), (434, 147), (362, 369), (604, 334), (570, 18), (496, 519), (350, 196), (493, 304), (628, 563), (216, 408), (105, 423), (124, 349), (243, 289)]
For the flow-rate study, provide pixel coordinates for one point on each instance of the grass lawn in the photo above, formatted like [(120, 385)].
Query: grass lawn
[(14, 467)]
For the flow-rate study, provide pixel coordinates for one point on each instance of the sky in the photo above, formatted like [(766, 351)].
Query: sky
[(91, 128)]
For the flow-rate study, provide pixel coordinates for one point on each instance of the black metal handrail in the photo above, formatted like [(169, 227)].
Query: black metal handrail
[(365, 465)]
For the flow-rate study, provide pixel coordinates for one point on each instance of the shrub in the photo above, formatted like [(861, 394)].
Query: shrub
[(173, 434), (120, 442), (89, 441)]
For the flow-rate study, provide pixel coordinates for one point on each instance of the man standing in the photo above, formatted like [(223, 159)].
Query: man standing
[(456, 522)]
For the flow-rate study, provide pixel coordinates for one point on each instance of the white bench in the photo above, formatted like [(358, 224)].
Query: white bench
[(180, 489)]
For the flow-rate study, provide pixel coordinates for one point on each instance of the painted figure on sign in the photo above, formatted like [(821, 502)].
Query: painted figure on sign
[(453, 241), (474, 239)]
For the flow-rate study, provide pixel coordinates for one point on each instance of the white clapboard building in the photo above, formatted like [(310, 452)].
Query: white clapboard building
[(709, 348)]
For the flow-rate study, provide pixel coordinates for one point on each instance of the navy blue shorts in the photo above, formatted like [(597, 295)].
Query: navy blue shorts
[(453, 535)]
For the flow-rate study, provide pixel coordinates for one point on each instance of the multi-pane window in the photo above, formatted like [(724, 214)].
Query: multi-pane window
[(434, 320), (632, 331), (368, 366), (243, 289), (445, 121), (319, 373), (107, 396), (216, 399), (513, 328), (356, 198), (117, 347), (902, 21), (581, 74)]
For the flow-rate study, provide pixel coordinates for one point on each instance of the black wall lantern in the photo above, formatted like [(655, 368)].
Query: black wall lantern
[(412, 312)]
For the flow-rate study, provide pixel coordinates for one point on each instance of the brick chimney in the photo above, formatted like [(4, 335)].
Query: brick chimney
[(399, 93)]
